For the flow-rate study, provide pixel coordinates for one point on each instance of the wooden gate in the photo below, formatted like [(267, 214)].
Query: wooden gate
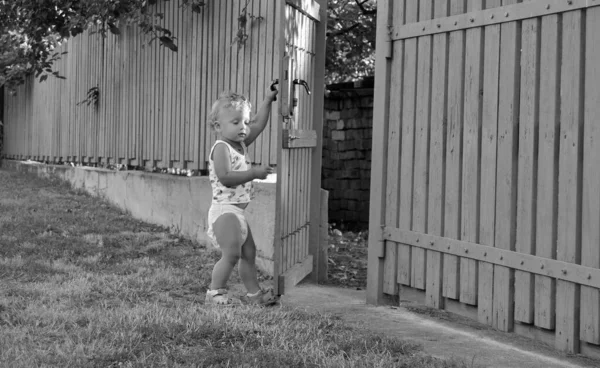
[(299, 153), (486, 162)]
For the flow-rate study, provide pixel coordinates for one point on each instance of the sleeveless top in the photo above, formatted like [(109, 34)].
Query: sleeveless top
[(242, 193)]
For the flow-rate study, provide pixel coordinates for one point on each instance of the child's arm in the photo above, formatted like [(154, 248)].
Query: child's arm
[(231, 178), (259, 121)]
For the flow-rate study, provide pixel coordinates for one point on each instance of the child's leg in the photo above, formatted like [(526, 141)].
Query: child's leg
[(248, 265), (228, 234)]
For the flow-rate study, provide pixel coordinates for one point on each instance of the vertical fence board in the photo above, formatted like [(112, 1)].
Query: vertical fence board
[(471, 153), (508, 108), (437, 150), (275, 52), (546, 214), (407, 144), (569, 180), (452, 217), (590, 249), (422, 121), (527, 166), (392, 176)]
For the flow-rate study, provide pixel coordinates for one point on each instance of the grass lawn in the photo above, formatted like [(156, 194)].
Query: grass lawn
[(83, 284)]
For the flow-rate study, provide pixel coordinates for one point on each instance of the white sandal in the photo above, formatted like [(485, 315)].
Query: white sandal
[(220, 298)]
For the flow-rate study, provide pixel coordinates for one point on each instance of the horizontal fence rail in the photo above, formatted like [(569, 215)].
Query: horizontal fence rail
[(491, 159), (148, 105)]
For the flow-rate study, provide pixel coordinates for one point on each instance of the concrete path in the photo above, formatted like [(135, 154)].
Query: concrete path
[(440, 338)]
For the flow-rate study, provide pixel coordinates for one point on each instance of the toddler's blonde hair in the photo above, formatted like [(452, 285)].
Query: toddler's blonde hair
[(228, 100)]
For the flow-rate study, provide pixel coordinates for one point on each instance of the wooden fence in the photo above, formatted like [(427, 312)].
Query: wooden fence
[(486, 184), (153, 102)]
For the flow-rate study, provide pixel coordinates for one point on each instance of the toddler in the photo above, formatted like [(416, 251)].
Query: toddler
[(231, 176)]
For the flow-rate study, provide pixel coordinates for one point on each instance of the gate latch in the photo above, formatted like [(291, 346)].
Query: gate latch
[(301, 82)]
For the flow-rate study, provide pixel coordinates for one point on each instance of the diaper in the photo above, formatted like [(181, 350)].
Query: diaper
[(218, 209)]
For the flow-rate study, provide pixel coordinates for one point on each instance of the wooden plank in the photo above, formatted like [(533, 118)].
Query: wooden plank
[(507, 13), (264, 68), (256, 94), (508, 109), (299, 138), (392, 138), (471, 153), (205, 128), (407, 145), (278, 243), (437, 151), (561, 270), (546, 214), (310, 8), (295, 274), (569, 179), (193, 102), (590, 251), (185, 104), (378, 196), (421, 170), (527, 166), (168, 102), (452, 205), (292, 212)]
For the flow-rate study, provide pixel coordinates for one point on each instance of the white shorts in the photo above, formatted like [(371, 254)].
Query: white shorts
[(218, 209)]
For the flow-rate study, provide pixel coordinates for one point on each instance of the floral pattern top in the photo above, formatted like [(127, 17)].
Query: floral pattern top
[(242, 193)]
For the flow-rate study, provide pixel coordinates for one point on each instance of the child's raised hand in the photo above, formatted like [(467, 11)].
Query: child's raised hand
[(271, 95), (261, 171)]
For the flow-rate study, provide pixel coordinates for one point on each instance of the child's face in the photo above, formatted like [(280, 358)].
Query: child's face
[(233, 124)]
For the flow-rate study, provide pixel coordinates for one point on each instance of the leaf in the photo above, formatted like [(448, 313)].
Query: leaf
[(197, 8), (168, 42), (43, 78), (76, 30), (113, 29)]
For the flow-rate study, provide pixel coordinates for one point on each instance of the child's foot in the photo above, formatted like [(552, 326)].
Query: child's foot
[(262, 297), (220, 297)]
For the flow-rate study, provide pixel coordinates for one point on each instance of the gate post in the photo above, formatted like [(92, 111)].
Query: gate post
[(381, 104), (315, 246)]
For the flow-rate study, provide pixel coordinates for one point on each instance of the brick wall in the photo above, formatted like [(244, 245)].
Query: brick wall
[(347, 153)]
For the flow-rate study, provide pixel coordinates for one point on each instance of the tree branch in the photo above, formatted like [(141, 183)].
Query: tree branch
[(343, 30), (363, 9)]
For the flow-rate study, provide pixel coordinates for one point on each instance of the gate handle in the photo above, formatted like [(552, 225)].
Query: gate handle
[(273, 88), (302, 82)]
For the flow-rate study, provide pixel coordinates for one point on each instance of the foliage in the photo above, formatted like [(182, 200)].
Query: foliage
[(350, 39), (30, 30), (347, 262)]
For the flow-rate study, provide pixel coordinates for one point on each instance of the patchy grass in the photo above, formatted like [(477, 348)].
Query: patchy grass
[(82, 284)]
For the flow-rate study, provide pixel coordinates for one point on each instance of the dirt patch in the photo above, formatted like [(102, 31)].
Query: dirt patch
[(347, 263)]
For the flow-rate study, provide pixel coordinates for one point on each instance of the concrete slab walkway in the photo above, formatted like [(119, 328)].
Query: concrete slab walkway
[(444, 339)]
